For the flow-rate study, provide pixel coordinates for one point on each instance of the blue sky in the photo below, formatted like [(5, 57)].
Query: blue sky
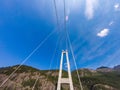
[(93, 26)]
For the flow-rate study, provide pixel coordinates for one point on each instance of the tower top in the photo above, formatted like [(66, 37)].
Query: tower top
[(64, 51)]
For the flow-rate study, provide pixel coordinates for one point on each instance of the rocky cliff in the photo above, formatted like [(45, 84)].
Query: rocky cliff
[(26, 77)]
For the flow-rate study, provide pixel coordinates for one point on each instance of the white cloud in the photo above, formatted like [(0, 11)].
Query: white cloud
[(117, 6), (90, 7), (103, 32)]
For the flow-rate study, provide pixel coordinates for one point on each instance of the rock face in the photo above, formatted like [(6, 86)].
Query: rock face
[(107, 69), (104, 69), (26, 77), (102, 87), (25, 80), (117, 68)]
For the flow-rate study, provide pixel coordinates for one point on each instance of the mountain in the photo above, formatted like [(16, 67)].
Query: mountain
[(117, 68), (105, 69), (25, 77)]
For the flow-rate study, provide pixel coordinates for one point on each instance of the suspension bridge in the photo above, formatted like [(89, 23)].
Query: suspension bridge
[(64, 53)]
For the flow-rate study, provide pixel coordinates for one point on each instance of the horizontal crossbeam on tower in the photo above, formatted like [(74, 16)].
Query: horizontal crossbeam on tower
[(64, 80)]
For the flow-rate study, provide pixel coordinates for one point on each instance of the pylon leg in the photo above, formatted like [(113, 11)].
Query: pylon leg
[(65, 80)]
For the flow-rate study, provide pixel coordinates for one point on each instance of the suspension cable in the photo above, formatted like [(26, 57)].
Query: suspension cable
[(69, 42), (54, 53), (65, 27), (57, 64), (41, 43), (71, 49), (35, 83), (59, 39), (56, 13), (51, 61), (54, 2)]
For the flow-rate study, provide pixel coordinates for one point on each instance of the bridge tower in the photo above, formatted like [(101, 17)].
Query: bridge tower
[(64, 80)]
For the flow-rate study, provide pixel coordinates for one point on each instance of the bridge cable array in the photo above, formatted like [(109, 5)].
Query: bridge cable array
[(70, 44), (26, 59), (44, 40)]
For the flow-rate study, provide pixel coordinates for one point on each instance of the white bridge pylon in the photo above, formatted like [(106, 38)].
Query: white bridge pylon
[(64, 80)]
